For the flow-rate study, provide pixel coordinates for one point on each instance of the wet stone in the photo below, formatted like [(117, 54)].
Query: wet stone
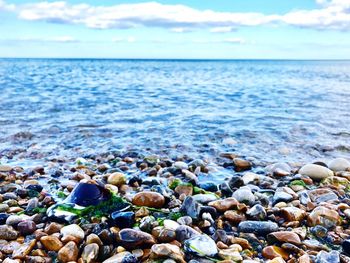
[(68, 253), (26, 227), (257, 227), (316, 172), (184, 232), (190, 207), (244, 195), (90, 253), (7, 233), (327, 257), (201, 245), (149, 199), (123, 219), (132, 238)]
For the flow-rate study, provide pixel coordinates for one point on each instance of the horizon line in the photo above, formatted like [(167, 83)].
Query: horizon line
[(182, 59)]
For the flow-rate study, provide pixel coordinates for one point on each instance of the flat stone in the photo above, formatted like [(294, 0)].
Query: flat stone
[(149, 199), (284, 237), (257, 227), (316, 172)]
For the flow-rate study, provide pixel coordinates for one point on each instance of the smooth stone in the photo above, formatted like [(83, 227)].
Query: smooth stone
[(123, 257), (190, 207), (323, 216), (7, 233), (116, 179), (292, 213), (149, 199), (284, 237), (184, 232), (3, 218), (123, 219), (165, 235), (26, 227), (73, 230), (3, 208), (249, 177), (51, 243), (167, 251), (236, 182), (281, 196), (90, 253), (271, 252), (257, 227), (316, 172), (201, 245), (319, 231), (230, 254), (68, 253), (244, 195), (5, 168), (131, 238), (184, 189), (170, 224), (339, 164), (23, 250), (208, 186), (204, 198), (93, 238), (224, 204), (327, 257), (185, 220), (241, 165), (181, 165), (257, 212)]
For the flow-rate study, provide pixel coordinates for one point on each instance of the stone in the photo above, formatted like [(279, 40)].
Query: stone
[(123, 257), (73, 230), (204, 198), (5, 168), (131, 238), (23, 250), (184, 189), (257, 227), (93, 238), (257, 212), (170, 224), (234, 217), (315, 172), (51, 243), (323, 216), (123, 219), (190, 207), (292, 213), (241, 165), (326, 257), (26, 227), (117, 179), (184, 232), (224, 204), (339, 164), (271, 252), (244, 195), (3, 208), (167, 251), (201, 245), (90, 253), (230, 254), (284, 237), (68, 253), (181, 165), (7, 233), (149, 199), (281, 196)]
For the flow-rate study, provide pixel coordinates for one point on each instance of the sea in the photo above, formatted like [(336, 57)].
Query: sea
[(264, 110)]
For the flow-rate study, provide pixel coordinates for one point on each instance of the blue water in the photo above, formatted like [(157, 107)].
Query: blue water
[(268, 110)]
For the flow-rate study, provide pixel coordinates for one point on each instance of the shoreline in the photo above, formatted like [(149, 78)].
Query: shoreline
[(151, 209)]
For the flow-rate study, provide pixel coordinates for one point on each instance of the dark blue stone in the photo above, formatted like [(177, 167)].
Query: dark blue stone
[(123, 219)]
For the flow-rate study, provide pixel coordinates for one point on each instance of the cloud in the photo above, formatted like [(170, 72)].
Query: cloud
[(58, 39), (330, 14), (121, 40), (6, 7), (232, 40)]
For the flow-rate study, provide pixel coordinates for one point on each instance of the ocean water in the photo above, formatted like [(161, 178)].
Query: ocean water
[(294, 111)]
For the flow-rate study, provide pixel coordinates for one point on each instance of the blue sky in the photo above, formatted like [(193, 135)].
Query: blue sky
[(288, 29)]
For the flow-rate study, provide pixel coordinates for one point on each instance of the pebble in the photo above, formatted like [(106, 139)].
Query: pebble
[(149, 199), (271, 252), (323, 216), (133, 239), (90, 253), (184, 232), (283, 237), (244, 195), (68, 253), (224, 204), (123, 219), (51, 243), (257, 227), (3, 208), (316, 172), (26, 227), (73, 230), (181, 165), (190, 207), (241, 165), (123, 257), (201, 245), (339, 164), (160, 251), (117, 179), (327, 257), (7, 233)]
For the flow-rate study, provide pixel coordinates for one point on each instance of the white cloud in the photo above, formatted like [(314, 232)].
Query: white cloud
[(331, 14), (121, 40), (57, 39), (235, 40)]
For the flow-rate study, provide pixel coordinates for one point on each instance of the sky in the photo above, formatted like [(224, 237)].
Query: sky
[(192, 29)]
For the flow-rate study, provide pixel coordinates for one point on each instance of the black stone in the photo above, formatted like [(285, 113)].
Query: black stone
[(346, 247), (123, 219), (35, 187), (3, 217), (208, 186), (235, 182)]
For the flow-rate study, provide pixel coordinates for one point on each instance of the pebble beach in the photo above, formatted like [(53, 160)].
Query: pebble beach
[(133, 208)]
